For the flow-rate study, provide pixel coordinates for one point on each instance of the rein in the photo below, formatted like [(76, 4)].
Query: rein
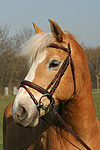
[(52, 87)]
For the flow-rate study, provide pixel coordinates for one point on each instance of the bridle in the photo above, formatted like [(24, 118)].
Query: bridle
[(54, 83), (51, 88)]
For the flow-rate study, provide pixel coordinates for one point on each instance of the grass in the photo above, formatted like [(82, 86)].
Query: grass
[(3, 103), (6, 100), (96, 97)]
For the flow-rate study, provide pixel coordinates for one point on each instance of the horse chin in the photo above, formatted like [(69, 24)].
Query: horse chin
[(31, 121), (31, 124), (34, 123)]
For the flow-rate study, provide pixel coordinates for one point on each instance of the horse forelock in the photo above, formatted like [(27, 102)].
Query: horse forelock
[(36, 44)]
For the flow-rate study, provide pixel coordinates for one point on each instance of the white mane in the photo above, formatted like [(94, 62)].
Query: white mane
[(36, 44)]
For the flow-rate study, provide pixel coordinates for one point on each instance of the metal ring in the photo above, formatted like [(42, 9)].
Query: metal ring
[(50, 104)]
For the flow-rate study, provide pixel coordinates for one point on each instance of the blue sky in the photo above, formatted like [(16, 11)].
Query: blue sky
[(80, 17)]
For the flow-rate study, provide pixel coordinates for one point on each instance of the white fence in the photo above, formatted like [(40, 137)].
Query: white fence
[(15, 90), (6, 91)]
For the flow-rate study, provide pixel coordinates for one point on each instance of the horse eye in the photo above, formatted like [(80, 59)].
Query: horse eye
[(54, 64)]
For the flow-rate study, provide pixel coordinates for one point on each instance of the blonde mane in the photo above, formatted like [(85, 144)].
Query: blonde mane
[(36, 44)]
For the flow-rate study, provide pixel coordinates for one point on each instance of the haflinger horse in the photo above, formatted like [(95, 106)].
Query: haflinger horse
[(54, 98)]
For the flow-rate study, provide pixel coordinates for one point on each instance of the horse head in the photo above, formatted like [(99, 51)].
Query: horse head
[(47, 53)]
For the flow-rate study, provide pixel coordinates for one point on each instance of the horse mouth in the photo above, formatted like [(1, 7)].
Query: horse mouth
[(26, 117)]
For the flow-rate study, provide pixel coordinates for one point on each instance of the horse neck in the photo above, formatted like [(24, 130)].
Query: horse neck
[(79, 111)]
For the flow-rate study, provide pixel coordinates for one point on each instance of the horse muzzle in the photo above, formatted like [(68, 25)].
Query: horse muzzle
[(24, 111)]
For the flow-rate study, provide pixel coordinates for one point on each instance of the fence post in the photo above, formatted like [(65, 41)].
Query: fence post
[(6, 91), (15, 90)]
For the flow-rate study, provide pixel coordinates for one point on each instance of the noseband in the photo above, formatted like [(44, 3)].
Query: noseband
[(49, 94)]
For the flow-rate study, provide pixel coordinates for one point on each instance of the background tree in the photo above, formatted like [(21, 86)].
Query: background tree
[(12, 66), (5, 42), (97, 66), (93, 56)]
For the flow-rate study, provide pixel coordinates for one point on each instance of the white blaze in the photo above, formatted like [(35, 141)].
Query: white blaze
[(23, 98)]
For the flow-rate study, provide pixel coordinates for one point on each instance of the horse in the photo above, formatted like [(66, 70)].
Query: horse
[(58, 82)]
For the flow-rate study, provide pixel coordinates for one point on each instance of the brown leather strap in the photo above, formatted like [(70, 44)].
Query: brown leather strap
[(43, 118), (68, 128), (38, 88), (63, 68), (61, 47), (55, 82), (34, 86)]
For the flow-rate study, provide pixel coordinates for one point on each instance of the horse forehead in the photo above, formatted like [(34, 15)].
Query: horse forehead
[(40, 58)]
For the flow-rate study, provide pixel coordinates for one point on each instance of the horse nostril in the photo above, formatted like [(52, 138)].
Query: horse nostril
[(24, 110), (22, 113)]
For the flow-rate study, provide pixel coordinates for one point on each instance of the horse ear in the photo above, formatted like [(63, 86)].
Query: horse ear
[(37, 30), (56, 31)]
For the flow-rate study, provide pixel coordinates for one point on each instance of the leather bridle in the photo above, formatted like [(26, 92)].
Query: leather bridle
[(52, 87), (54, 83)]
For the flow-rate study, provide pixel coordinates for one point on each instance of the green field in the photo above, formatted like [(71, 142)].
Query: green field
[(4, 101), (96, 97)]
